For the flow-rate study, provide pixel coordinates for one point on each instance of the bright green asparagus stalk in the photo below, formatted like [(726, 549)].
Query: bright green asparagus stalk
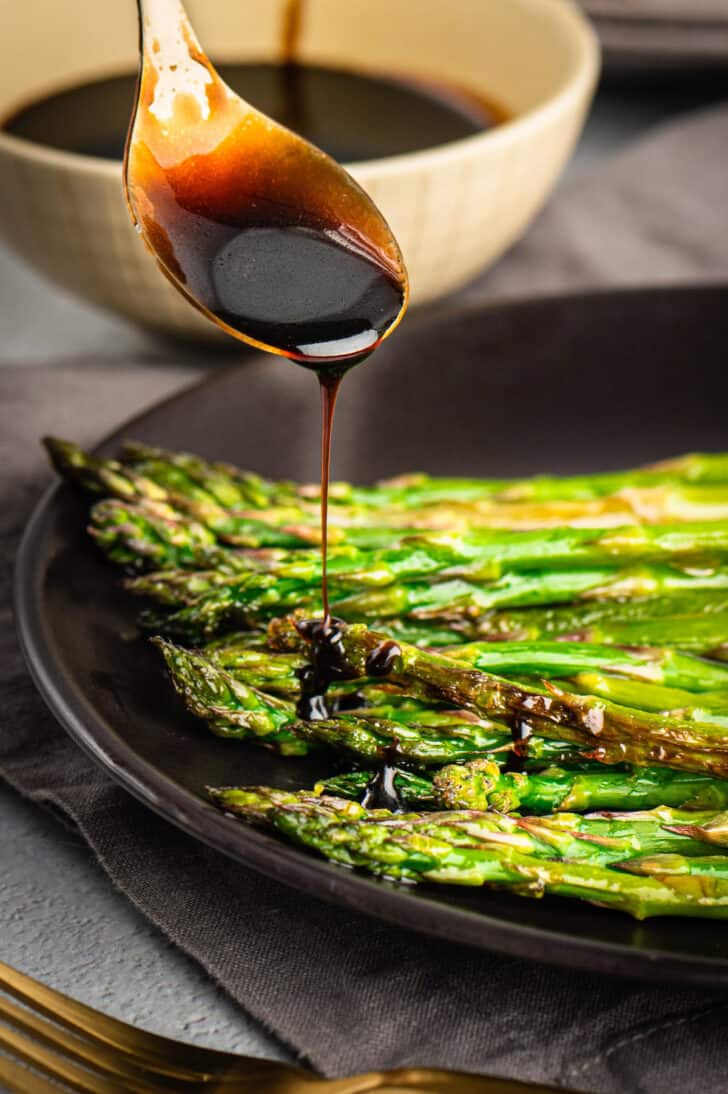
[(564, 855), (712, 831), (420, 632), (245, 528), (669, 500), (445, 600), (702, 706), (100, 476), (480, 784), (554, 660), (600, 838), (427, 738), (254, 664), (388, 719), (413, 790), (615, 733), (250, 599), (229, 707), (179, 588), (703, 869), (368, 736), (455, 599), (242, 540), (418, 489), (697, 622), (481, 558), (183, 472), (246, 604), (111, 478), (151, 535), (482, 555), (135, 535), (694, 467), (255, 804), (248, 659), (623, 622), (652, 505), (235, 488), (175, 589)]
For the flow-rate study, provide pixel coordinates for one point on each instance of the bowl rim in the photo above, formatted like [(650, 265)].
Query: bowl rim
[(576, 85)]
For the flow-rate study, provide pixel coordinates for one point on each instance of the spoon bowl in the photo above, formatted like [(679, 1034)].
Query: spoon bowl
[(263, 232)]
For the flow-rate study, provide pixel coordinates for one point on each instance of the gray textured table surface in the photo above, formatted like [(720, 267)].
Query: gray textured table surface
[(62, 921)]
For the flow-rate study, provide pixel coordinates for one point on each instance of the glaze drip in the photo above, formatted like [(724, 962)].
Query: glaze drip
[(383, 658), (381, 791), (328, 663)]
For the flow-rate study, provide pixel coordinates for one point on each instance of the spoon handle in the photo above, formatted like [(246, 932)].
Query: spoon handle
[(172, 56), (164, 20)]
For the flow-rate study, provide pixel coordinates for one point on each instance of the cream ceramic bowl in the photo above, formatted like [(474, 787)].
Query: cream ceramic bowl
[(454, 208)]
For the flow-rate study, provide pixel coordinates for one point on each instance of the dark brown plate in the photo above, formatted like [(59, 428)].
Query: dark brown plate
[(563, 384)]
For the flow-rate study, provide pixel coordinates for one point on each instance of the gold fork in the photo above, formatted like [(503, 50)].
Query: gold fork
[(50, 1043)]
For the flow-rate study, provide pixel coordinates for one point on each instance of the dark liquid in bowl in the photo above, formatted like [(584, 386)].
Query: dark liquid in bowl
[(351, 116)]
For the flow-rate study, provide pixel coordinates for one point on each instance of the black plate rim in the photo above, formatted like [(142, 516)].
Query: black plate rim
[(266, 854)]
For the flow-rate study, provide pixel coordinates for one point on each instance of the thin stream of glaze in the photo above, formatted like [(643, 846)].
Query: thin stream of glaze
[(292, 25), (292, 81), (329, 385)]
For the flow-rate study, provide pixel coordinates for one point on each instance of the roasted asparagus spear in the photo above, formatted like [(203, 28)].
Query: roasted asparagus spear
[(234, 709), (213, 604), (668, 496), (554, 660), (610, 732), (481, 784), (634, 863)]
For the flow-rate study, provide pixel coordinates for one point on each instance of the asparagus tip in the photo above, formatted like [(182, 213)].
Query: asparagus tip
[(63, 454)]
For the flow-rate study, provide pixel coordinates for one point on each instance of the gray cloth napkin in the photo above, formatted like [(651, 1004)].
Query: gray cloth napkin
[(345, 992)]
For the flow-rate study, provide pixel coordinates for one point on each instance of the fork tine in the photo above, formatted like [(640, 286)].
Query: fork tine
[(86, 1052), (165, 1057), (99, 1027), (55, 1066), (17, 1078)]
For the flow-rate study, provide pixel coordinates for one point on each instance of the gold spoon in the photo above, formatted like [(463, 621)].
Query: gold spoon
[(261, 231)]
